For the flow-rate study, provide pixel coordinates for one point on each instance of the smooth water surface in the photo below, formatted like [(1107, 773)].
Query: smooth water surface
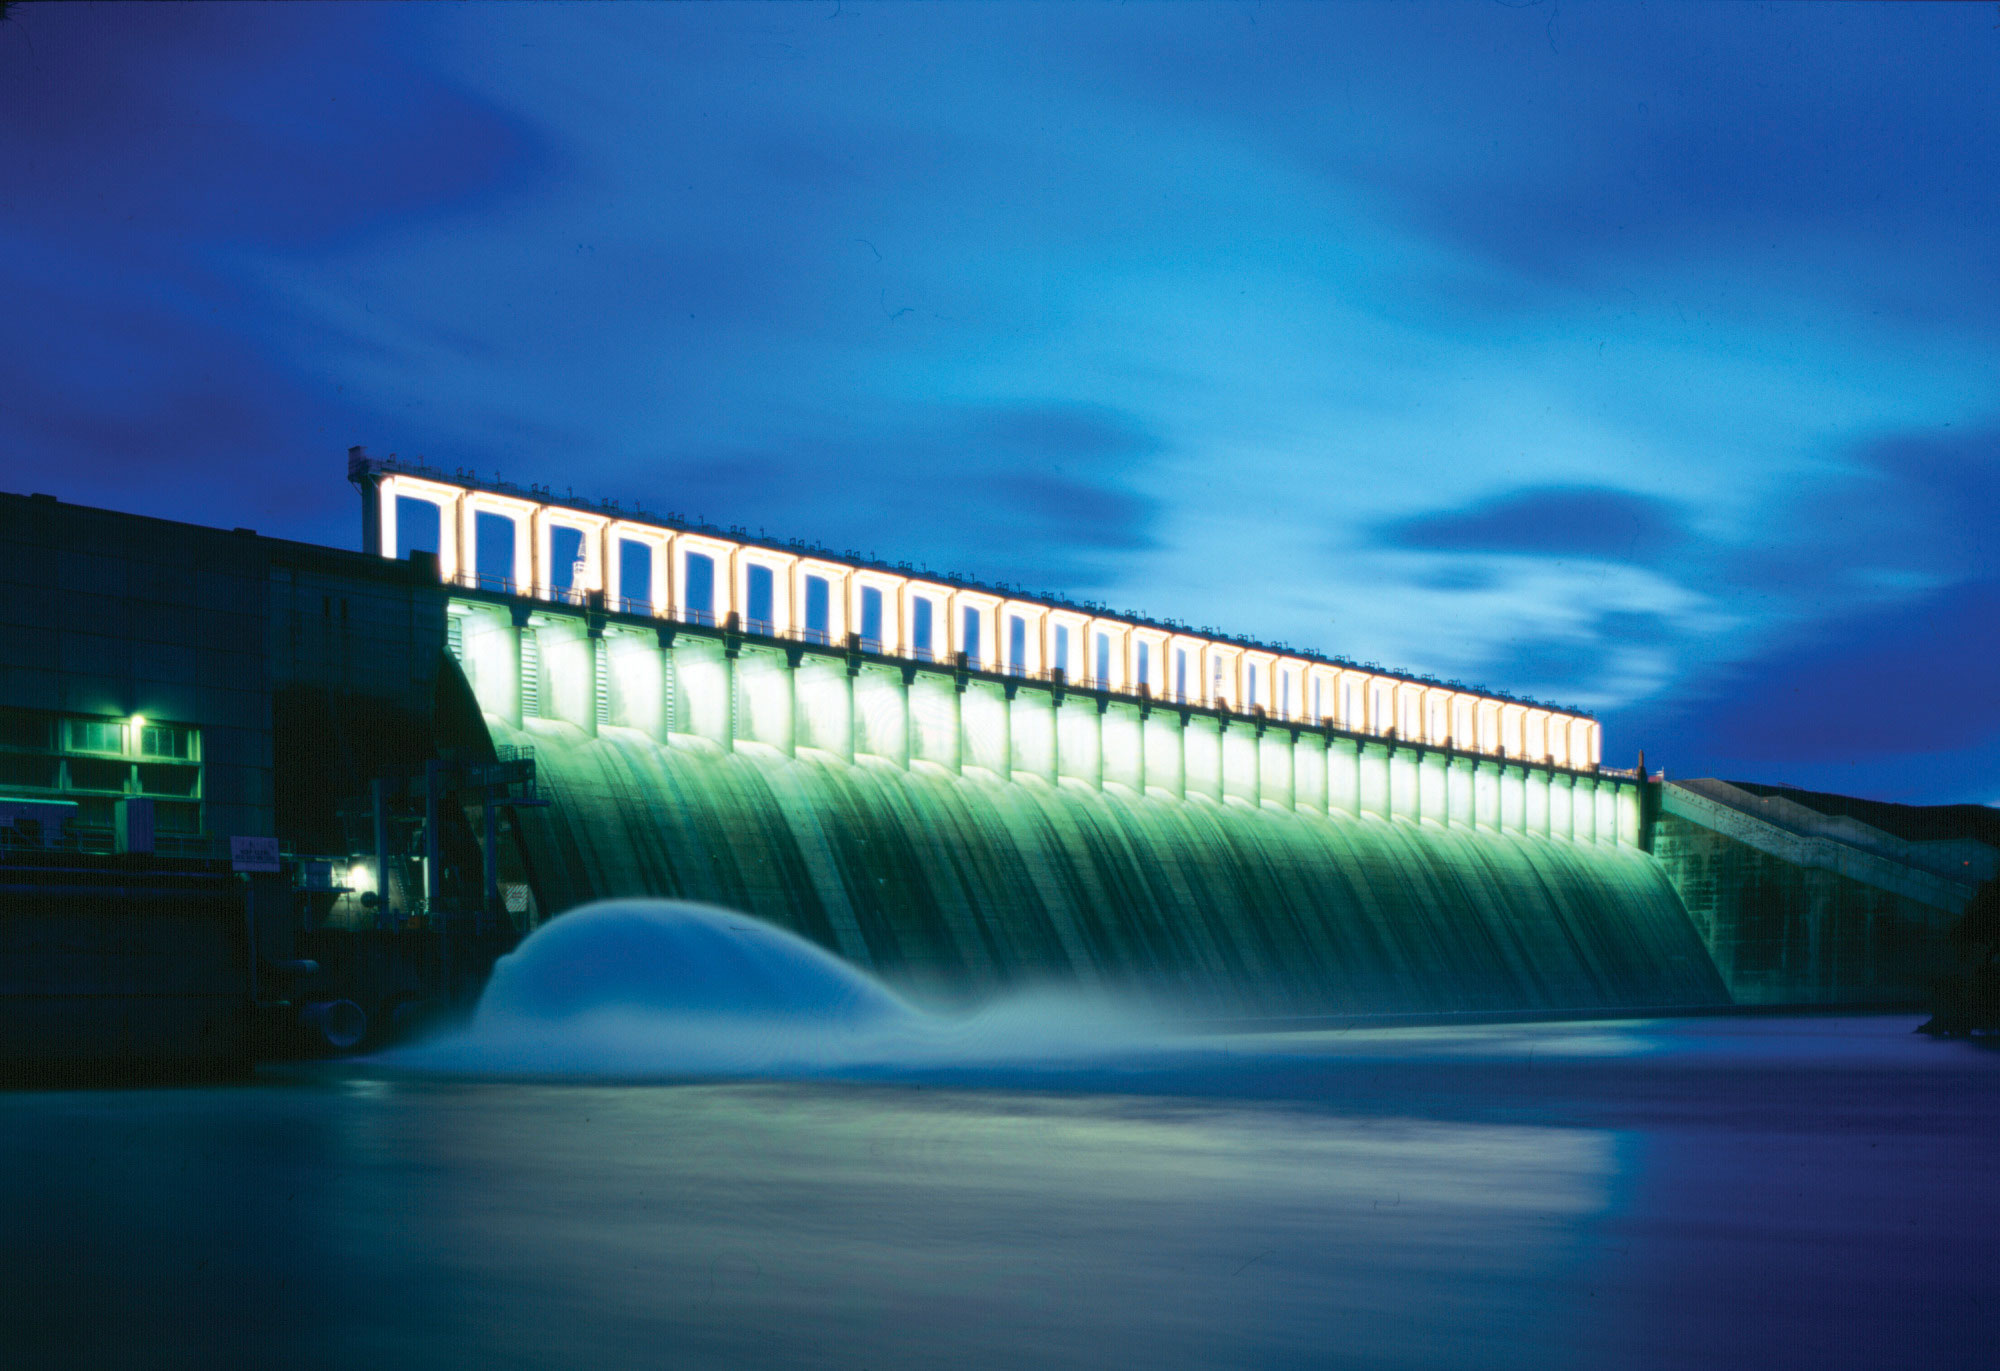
[(1722, 1192)]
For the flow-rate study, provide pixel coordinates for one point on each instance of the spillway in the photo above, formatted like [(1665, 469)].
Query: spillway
[(955, 886)]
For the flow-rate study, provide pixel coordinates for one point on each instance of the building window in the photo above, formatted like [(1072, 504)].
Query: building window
[(699, 588), (1180, 672), (1017, 644), (159, 778), (1062, 648), (167, 740), (493, 552), (417, 526), (758, 594), (96, 735), (1103, 659), (26, 728), (1250, 685), (1145, 665), (30, 772), (1215, 681), (566, 564), (90, 760), (819, 608), (98, 773), (635, 577), (920, 628), (971, 639), (871, 618), (180, 819)]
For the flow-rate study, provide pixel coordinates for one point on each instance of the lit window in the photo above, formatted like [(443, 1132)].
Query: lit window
[(1145, 664), (166, 740), (920, 627), (1104, 659), (1062, 648), (970, 642), (96, 735), (1017, 643)]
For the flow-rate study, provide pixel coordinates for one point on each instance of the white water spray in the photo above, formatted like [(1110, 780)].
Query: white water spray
[(667, 988)]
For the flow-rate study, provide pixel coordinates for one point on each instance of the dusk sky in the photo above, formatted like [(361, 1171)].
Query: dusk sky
[(1643, 358)]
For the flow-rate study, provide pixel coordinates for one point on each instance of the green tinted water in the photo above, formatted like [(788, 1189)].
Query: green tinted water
[(956, 887)]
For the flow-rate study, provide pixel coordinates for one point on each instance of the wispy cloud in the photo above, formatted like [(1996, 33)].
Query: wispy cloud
[(1650, 363)]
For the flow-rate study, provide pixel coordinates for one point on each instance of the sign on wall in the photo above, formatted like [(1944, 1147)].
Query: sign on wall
[(253, 854)]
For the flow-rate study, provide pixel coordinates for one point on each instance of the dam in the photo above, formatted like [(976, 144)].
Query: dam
[(387, 766), (906, 772)]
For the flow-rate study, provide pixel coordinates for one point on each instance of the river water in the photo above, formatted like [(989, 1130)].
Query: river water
[(1755, 1192)]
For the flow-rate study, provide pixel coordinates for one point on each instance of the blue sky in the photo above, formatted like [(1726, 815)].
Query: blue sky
[(1640, 357)]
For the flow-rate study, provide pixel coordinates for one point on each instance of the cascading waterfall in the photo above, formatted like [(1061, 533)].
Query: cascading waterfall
[(954, 888)]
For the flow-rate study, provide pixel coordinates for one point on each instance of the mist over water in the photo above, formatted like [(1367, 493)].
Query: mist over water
[(669, 990), (676, 1136), (672, 989)]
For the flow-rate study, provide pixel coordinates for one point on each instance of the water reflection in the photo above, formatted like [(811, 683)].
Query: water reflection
[(1799, 1193)]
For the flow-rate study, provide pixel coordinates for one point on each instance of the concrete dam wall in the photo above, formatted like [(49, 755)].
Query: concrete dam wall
[(961, 834), (1797, 906)]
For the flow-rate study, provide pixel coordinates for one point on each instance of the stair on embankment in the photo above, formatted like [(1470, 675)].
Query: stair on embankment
[(1802, 907), (957, 887)]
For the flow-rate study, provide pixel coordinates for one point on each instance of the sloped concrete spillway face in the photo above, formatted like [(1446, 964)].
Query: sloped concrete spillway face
[(1260, 886)]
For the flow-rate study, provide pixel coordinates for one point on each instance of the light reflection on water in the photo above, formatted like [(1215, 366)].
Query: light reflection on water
[(1758, 1192)]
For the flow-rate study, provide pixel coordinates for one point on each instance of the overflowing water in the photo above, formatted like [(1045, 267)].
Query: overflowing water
[(988, 1134), (959, 888)]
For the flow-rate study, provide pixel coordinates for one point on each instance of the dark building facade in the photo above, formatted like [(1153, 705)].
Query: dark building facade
[(233, 686), (143, 657)]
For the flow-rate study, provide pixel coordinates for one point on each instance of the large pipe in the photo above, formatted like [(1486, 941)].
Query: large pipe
[(334, 1025)]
